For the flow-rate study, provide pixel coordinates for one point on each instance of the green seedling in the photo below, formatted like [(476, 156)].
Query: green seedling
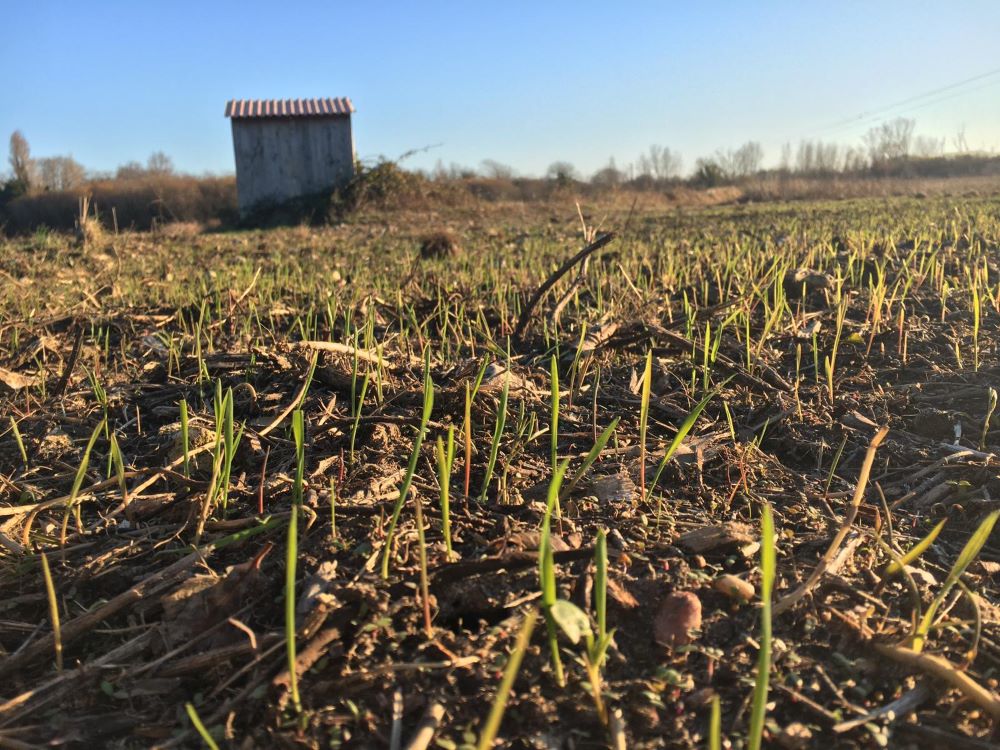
[(969, 553), (356, 416), (575, 624), (553, 419), (497, 434), (897, 566), (72, 506), (50, 594), (682, 432), (715, 725), (404, 488), (20, 441), (199, 727), (445, 454), (991, 406), (833, 466), (185, 439), (590, 458), (647, 379), (758, 706), (547, 572), (291, 558), (491, 726)]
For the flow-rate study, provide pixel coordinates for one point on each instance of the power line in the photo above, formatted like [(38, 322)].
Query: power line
[(880, 112), (938, 100)]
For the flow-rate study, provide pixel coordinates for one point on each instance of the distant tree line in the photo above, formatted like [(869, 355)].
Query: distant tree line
[(44, 190), (891, 148), (30, 175)]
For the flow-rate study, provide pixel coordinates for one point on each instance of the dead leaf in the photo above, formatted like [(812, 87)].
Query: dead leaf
[(858, 421), (528, 541), (921, 576), (707, 538), (988, 567), (206, 600), (612, 489), (620, 595), (597, 336), (15, 381), (317, 586)]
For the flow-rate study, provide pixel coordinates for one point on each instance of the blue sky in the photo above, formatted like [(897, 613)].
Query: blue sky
[(521, 83)]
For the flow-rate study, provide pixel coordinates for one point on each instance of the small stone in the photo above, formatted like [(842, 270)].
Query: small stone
[(679, 614), (921, 576), (700, 698), (795, 736), (734, 587)]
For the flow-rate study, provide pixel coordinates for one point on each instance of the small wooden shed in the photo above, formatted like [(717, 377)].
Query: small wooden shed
[(288, 148)]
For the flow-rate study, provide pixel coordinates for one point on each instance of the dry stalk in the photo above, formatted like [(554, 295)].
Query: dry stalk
[(944, 670), (790, 600)]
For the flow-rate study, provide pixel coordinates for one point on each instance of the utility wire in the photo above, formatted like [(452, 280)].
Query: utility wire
[(938, 100), (880, 111)]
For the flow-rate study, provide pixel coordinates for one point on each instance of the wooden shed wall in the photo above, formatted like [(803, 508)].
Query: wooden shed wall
[(282, 158)]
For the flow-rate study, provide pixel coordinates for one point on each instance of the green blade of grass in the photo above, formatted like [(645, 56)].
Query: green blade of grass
[(758, 708), (404, 488), (50, 594), (497, 434), (969, 553), (896, 566), (547, 570), (682, 432), (492, 724), (199, 727), (291, 558), (591, 456)]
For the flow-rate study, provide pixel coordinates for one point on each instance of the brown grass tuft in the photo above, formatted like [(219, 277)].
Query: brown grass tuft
[(439, 245)]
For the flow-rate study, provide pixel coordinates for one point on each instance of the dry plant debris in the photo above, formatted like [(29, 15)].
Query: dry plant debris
[(150, 384)]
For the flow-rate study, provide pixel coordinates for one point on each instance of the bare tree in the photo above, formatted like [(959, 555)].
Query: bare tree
[(786, 157), (708, 172), (733, 165), (453, 171), (748, 159), (159, 164), (60, 173), (927, 147), (130, 170), (889, 141), (961, 145), (660, 163), (855, 160), (20, 159), (496, 170), (817, 158)]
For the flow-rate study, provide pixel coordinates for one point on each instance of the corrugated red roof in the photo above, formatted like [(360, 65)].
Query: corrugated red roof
[(329, 107)]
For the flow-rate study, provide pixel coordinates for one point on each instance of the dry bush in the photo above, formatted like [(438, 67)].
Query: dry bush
[(439, 245), (384, 186), (129, 204), (839, 188), (178, 229), (88, 226)]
